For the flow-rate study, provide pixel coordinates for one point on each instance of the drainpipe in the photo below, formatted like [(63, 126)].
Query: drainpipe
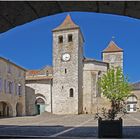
[(51, 95)]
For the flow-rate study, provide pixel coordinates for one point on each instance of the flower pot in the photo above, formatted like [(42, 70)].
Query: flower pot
[(109, 128)]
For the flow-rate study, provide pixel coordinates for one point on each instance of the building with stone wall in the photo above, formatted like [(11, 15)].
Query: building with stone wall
[(12, 89), (133, 101), (71, 86), (41, 82), (30, 101)]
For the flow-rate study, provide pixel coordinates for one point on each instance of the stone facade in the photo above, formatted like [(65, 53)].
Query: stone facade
[(30, 101), (39, 88), (113, 55), (42, 89), (72, 79), (73, 88), (12, 89), (92, 70), (133, 101)]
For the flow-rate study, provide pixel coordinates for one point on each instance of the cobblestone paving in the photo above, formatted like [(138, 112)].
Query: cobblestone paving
[(62, 126)]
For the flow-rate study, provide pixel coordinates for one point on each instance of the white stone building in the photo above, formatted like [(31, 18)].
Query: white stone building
[(41, 82), (71, 85), (12, 89)]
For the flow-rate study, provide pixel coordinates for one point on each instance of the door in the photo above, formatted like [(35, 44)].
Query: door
[(37, 109), (40, 106)]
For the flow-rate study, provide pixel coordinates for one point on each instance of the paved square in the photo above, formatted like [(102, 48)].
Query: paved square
[(62, 126)]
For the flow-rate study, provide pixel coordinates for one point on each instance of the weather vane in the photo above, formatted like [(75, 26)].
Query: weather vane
[(113, 37)]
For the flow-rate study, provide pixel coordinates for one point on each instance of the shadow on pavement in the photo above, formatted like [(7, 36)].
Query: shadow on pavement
[(15, 131)]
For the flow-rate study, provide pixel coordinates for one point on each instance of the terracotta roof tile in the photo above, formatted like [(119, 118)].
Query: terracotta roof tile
[(112, 47), (32, 72), (47, 70), (66, 24)]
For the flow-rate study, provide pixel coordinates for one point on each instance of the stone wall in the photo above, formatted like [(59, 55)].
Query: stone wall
[(90, 88), (30, 101), (115, 59), (13, 75), (137, 94), (63, 82), (42, 89)]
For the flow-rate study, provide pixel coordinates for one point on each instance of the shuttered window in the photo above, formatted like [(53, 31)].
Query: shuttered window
[(1, 84)]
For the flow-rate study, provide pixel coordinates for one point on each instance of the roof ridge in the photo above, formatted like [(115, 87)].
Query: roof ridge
[(112, 47), (67, 23)]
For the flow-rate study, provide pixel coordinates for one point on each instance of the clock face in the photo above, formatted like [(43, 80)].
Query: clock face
[(66, 57)]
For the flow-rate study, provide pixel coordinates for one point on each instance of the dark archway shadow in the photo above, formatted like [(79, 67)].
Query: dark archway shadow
[(5, 110), (34, 10)]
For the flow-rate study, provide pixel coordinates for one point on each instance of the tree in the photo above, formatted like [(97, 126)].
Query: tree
[(115, 87)]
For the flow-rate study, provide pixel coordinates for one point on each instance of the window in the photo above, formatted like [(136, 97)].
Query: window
[(70, 38), (0, 84), (132, 99), (128, 107), (5, 86), (65, 71), (60, 39), (10, 87), (18, 89), (71, 92), (132, 103), (8, 68)]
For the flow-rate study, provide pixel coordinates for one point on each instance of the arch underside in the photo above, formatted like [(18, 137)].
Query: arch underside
[(14, 13), (5, 109)]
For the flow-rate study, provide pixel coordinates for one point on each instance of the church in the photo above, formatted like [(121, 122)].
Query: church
[(70, 85)]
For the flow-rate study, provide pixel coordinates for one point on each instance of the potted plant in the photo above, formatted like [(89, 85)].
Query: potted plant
[(115, 87)]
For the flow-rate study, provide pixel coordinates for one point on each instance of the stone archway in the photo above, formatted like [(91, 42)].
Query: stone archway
[(40, 105), (5, 109), (19, 109), (27, 11)]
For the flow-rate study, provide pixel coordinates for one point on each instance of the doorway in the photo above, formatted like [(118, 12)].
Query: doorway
[(40, 106)]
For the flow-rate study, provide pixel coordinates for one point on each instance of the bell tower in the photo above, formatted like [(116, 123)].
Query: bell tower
[(67, 89), (113, 55)]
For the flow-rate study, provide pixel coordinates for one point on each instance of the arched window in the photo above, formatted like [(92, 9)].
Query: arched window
[(71, 92), (132, 103), (65, 71), (132, 99), (70, 38), (60, 39)]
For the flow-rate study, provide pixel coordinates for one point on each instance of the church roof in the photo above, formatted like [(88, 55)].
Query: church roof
[(31, 78), (94, 60), (136, 86), (112, 47), (66, 24), (47, 70)]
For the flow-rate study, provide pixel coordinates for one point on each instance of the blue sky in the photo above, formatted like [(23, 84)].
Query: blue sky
[(30, 45)]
